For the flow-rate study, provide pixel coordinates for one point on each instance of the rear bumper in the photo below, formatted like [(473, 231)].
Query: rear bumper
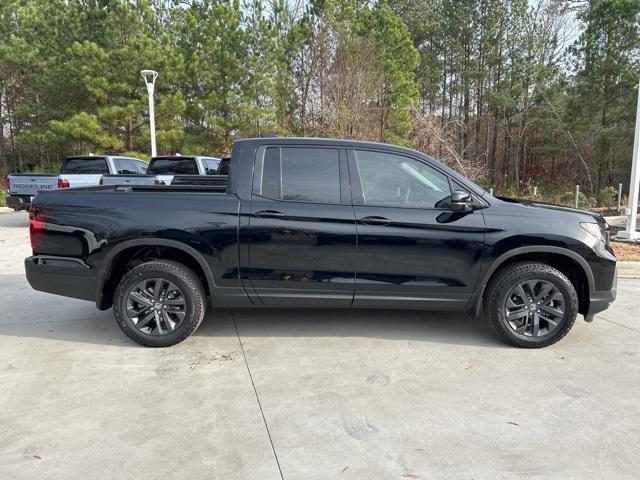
[(68, 277), (19, 202), (600, 300)]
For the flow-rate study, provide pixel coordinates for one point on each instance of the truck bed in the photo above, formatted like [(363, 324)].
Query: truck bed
[(118, 179), (219, 181), (164, 189), (204, 180)]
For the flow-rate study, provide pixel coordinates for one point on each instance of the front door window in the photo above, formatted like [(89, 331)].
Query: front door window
[(389, 180)]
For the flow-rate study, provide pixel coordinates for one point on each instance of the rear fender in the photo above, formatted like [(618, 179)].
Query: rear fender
[(109, 259)]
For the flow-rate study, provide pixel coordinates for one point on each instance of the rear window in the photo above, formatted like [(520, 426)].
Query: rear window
[(173, 166), (303, 174), (223, 168), (85, 165)]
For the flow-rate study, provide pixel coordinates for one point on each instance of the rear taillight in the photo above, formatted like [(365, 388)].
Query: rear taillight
[(159, 182), (62, 183), (37, 226)]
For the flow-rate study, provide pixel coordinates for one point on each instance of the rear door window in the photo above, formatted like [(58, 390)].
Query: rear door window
[(85, 165), (173, 166), (141, 166), (125, 166), (211, 166), (223, 168), (303, 174)]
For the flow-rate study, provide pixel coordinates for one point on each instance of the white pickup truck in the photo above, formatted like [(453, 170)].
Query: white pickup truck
[(80, 171), (164, 170)]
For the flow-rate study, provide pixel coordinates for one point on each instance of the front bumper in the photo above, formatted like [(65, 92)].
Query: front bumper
[(600, 300), (19, 202), (69, 277)]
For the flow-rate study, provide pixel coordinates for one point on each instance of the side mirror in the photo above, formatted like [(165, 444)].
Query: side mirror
[(460, 201)]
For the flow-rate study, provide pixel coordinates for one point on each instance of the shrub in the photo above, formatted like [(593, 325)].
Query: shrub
[(568, 198), (607, 197)]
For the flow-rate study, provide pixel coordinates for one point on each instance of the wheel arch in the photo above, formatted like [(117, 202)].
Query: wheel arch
[(116, 260), (560, 258)]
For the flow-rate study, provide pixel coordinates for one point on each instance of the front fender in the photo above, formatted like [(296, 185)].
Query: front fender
[(475, 303)]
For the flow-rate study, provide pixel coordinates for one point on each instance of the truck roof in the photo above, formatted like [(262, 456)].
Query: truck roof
[(183, 157), (345, 143), (109, 157), (320, 141)]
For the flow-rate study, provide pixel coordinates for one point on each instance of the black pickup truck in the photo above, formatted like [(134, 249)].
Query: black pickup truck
[(322, 223)]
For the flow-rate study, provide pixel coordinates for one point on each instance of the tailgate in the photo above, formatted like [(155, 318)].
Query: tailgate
[(31, 184), (81, 179)]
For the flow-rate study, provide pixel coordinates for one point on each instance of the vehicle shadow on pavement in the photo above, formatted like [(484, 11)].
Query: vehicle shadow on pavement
[(421, 326), (15, 220), (87, 325)]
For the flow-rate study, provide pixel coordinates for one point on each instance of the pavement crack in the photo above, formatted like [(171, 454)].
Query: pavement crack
[(619, 324), (264, 420)]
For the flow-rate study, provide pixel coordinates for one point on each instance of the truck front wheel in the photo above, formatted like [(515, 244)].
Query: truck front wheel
[(531, 305), (159, 303)]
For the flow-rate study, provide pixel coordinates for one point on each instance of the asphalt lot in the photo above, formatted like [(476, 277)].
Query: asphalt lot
[(308, 395)]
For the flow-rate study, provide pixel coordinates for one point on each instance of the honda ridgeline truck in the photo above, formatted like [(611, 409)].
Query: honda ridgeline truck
[(322, 223), (79, 171)]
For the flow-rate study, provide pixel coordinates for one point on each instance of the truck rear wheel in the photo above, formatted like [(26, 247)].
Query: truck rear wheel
[(159, 303), (531, 305)]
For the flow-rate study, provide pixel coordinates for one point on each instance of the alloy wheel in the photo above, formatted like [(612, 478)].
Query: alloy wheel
[(156, 306), (534, 308)]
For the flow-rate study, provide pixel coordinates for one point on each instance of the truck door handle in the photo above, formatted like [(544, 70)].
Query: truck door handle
[(269, 214), (381, 221)]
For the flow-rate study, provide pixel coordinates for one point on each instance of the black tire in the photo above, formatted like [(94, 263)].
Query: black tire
[(501, 294), (191, 311)]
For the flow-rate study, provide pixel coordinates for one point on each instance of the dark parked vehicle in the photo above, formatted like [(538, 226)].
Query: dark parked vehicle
[(322, 223)]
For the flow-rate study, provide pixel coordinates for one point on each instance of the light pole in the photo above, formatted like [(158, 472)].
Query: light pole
[(150, 80), (630, 233)]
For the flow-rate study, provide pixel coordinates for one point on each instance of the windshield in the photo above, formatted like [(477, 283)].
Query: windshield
[(173, 166), (85, 165)]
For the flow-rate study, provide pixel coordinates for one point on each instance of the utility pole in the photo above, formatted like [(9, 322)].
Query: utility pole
[(630, 234), (150, 80)]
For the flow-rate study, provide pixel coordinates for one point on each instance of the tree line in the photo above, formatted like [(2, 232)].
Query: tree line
[(511, 93)]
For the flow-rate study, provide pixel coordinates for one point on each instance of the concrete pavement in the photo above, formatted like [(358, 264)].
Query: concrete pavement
[(295, 394)]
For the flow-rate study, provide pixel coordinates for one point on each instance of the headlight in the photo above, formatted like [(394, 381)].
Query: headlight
[(594, 230)]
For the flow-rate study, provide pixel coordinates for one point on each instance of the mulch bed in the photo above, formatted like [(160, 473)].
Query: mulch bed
[(626, 252)]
